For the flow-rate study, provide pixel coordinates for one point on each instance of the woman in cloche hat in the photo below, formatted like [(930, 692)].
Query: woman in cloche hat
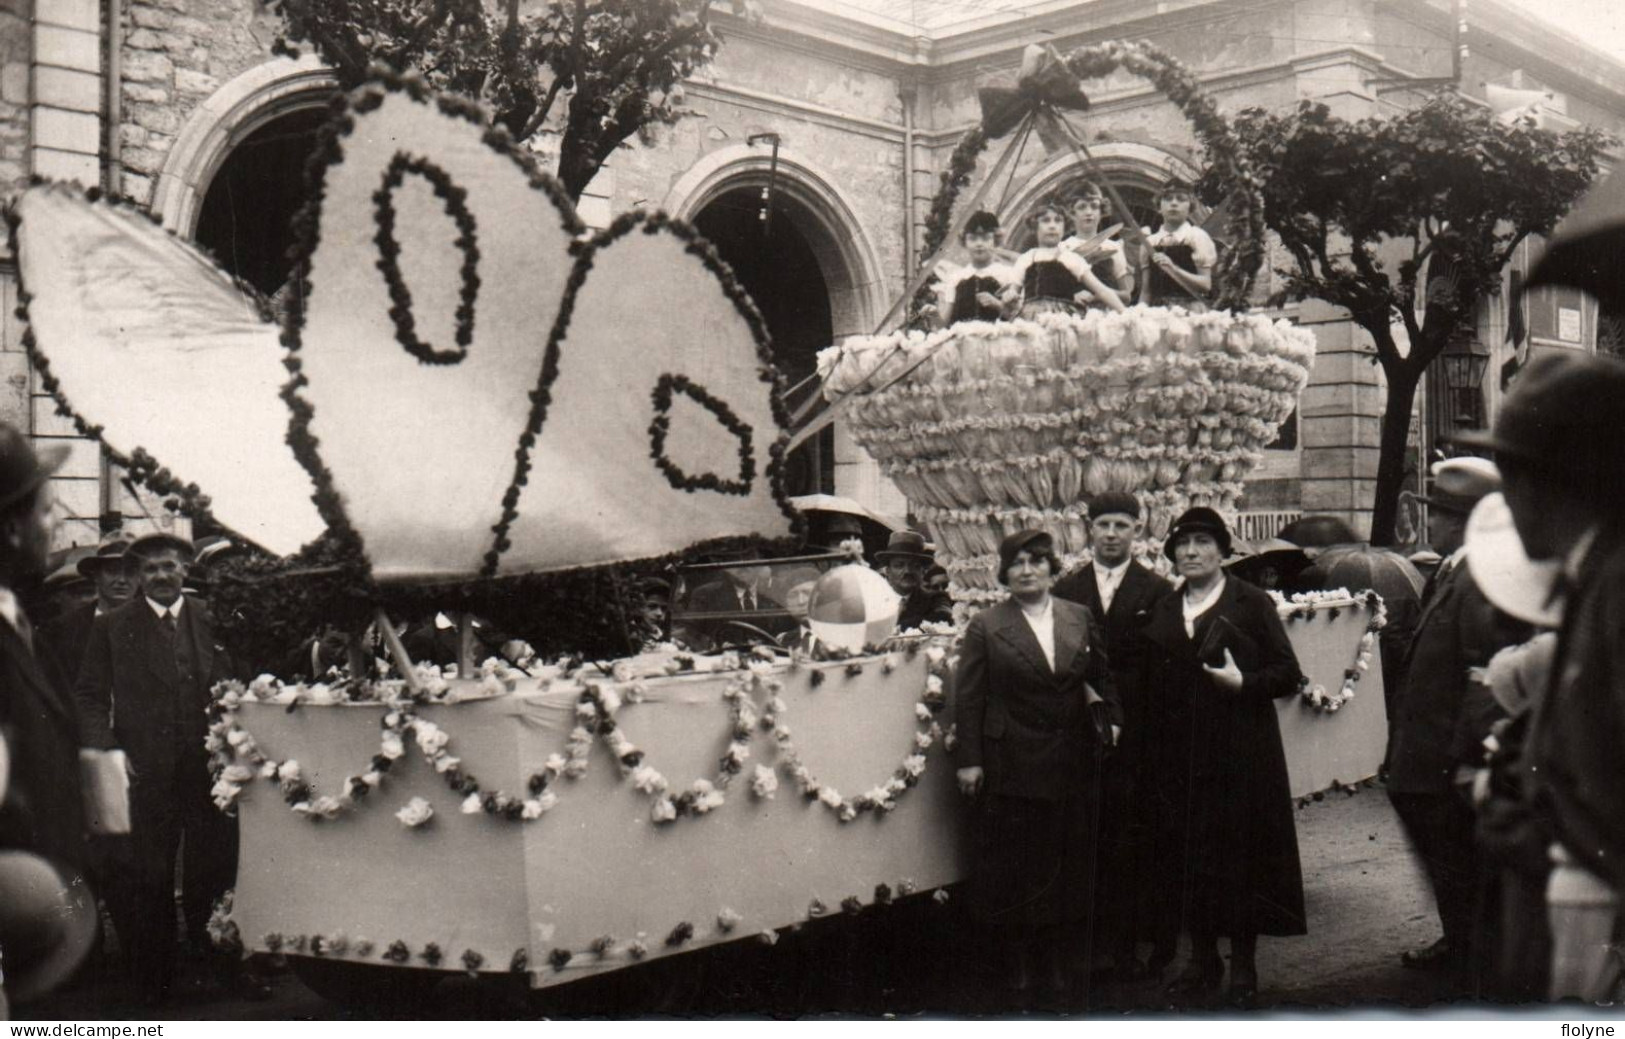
[(1218, 657)]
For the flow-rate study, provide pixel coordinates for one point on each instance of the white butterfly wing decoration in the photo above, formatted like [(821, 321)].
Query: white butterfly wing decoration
[(475, 392), (154, 344)]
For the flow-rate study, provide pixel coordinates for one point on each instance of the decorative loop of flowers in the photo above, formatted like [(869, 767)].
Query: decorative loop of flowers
[(1303, 606), (455, 200), (660, 428), (881, 798)]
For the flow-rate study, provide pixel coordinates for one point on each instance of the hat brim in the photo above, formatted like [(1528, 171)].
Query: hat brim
[(32, 890), (1460, 506), (147, 544), (885, 554), (1503, 571), (47, 460)]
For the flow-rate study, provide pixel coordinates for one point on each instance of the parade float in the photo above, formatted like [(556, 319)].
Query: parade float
[(475, 409)]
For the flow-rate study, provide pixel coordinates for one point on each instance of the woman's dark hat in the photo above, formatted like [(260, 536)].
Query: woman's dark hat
[(1020, 541), (1563, 416), (905, 544), (1200, 520), (1114, 501), (981, 222), (23, 467)]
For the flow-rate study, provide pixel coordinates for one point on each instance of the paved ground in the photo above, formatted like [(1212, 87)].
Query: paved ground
[(1365, 897)]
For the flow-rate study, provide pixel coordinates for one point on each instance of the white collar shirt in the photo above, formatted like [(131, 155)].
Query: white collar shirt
[(172, 610), (1108, 580), (1193, 610), (1043, 624)]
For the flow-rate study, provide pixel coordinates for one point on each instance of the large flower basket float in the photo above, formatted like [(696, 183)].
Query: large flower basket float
[(991, 426), (471, 396)]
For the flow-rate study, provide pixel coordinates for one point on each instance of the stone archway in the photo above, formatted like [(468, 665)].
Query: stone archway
[(848, 261), (245, 104)]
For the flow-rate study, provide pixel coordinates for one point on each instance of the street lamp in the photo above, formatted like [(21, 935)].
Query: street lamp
[(1464, 376)]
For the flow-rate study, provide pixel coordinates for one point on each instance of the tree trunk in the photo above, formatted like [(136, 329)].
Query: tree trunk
[(1396, 428)]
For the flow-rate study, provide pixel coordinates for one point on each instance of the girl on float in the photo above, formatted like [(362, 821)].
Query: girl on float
[(984, 290), (1179, 261), (1056, 279), (1106, 259)]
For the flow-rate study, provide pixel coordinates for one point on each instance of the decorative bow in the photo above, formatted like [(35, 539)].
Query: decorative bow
[(1043, 82)]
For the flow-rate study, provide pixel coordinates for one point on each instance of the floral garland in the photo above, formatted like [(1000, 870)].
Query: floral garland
[(1303, 606), (1238, 268), (455, 200), (661, 426)]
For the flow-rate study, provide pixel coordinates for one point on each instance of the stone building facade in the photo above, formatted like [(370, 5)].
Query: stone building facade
[(848, 109)]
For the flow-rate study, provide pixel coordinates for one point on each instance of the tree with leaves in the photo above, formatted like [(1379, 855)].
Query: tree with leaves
[(1446, 185), (597, 71)]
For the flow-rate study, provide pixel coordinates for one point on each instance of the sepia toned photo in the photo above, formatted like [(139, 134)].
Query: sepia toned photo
[(1041, 510)]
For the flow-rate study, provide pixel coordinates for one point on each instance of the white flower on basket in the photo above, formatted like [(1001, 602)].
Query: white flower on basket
[(914, 764), (830, 796), (430, 737), (289, 771), (609, 699), (446, 762), (663, 810), (881, 796), (727, 920), (237, 738), (533, 808), (922, 712), (846, 813), (237, 774), (231, 699), (321, 693), (416, 813), (709, 797), (225, 794), (430, 679), (763, 782), (648, 780), (554, 763), (472, 805), (372, 778), (922, 740), (263, 687), (933, 685), (323, 807), (269, 770), (288, 694), (390, 746), (935, 655)]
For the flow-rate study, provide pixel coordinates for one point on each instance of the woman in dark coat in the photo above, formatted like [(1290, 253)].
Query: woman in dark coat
[(1036, 708), (1219, 657)]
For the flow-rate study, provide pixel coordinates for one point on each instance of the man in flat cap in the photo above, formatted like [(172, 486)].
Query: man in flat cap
[(1439, 725), (1560, 442), (1119, 591), (145, 687)]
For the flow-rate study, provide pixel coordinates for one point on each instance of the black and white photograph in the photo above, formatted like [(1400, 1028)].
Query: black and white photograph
[(825, 510)]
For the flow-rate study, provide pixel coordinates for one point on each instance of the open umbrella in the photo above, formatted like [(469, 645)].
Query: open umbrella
[(1359, 567), (1253, 561), (1586, 249), (818, 507), (1317, 532)]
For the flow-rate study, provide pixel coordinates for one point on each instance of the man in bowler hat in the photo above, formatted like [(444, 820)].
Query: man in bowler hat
[(47, 915), (904, 561), (1120, 592), (145, 687), (1559, 444), (112, 571)]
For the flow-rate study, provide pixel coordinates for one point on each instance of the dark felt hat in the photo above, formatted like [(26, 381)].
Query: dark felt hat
[(905, 544), (151, 544), (1565, 415), (1198, 520), (23, 467), (113, 549), (1022, 540), (1114, 501)]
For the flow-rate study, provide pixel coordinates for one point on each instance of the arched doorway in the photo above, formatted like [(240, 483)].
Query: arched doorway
[(247, 216), (779, 267)]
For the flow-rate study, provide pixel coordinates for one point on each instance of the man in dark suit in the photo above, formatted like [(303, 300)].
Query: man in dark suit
[(113, 572), (904, 561), (145, 686), (1439, 725), (42, 855), (1557, 441), (1120, 592)]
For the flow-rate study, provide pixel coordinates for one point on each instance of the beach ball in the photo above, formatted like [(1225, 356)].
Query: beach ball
[(852, 607)]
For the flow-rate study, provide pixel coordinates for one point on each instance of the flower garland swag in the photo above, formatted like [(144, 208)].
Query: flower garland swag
[(754, 702), (1238, 267), (1304, 606)]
